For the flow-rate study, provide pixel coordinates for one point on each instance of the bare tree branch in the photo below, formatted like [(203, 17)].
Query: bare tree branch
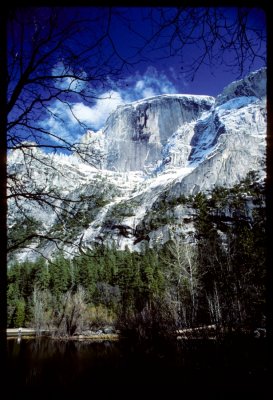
[(57, 58), (219, 36)]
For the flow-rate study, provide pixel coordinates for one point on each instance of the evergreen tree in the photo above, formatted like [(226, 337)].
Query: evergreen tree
[(60, 278), (19, 319), (42, 278)]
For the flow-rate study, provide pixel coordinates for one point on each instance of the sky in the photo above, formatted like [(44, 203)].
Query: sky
[(154, 68)]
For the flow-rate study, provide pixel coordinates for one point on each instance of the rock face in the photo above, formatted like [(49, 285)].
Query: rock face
[(172, 144), (226, 145), (135, 134)]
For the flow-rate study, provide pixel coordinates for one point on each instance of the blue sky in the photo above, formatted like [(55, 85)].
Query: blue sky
[(153, 69)]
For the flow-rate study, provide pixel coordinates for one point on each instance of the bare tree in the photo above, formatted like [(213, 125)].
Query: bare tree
[(42, 315), (55, 58), (71, 312), (215, 307), (55, 55), (183, 276), (50, 59), (63, 316)]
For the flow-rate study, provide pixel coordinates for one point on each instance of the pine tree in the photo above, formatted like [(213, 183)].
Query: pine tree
[(60, 279), (42, 278), (19, 318)]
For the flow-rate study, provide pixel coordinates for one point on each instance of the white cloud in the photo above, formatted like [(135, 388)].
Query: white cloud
[(148, 92), (63, 120), (96, 116), (150, 83), (60, 123), (68, 83), (139, 85)]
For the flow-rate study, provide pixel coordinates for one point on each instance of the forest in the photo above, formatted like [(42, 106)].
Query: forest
[(215, 276)]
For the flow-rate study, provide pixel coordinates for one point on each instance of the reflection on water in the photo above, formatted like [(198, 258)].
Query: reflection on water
[(44, 366)]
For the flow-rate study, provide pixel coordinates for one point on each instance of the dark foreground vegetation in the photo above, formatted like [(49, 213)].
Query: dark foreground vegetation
[(218, 279)]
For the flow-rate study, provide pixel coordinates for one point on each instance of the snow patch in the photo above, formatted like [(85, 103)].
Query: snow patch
[(237, 103)]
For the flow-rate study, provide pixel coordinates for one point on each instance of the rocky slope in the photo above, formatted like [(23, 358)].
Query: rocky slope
[(171, 144)]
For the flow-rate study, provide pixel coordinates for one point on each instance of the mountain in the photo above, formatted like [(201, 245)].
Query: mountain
[(165, 147)]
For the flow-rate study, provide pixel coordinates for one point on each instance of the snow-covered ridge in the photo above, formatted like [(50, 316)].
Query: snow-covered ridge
[(252, 85), (185, 97)]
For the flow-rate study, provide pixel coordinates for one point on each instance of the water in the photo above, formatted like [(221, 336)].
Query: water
[(49, 368)]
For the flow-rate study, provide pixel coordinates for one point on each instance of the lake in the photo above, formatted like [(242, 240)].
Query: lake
[(49, 368)]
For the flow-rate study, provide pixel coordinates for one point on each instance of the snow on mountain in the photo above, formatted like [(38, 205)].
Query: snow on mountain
[(136, 133), (176, 144), (253, 85)]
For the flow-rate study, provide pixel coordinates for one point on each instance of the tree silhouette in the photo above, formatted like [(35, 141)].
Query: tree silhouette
[(57, 56), (54, 57)]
